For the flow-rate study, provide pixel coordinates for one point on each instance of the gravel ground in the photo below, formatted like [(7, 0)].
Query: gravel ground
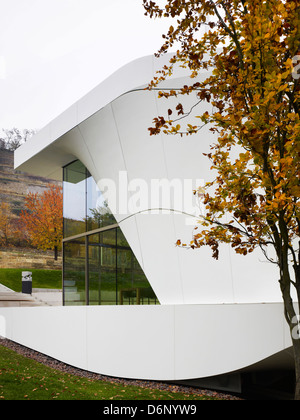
[(55, 364)]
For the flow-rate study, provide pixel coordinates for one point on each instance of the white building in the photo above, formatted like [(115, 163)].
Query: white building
[(200, 318)]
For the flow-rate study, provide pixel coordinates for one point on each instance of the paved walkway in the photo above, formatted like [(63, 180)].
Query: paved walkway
[(39, 297), (4, 288), (52, 297)]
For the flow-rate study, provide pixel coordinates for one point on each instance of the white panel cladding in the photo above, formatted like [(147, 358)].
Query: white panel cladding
[(226, 338), (136, 74), (203, 277), (144, 162), (73, 143), (143, 154), (160, 257), (55, 331), (101, 139), (171, 342), (132, 342)]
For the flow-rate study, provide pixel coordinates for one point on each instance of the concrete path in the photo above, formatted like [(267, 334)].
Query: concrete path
[(52, 297), (39, 297)]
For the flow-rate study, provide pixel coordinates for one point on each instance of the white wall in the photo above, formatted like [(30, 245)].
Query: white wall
[(152, 342)]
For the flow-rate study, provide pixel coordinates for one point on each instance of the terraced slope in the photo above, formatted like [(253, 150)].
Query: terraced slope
[(15, 185)]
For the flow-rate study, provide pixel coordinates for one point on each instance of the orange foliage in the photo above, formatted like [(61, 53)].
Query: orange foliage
[(43, 218), (5, 223)]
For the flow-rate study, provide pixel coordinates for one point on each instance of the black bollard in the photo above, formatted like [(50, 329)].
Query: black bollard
[(27, 282)]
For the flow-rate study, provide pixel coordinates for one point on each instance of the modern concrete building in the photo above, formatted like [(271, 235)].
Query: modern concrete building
[(135, 305)]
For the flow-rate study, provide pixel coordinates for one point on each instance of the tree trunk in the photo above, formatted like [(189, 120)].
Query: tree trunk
[(55, 253), (296, 346), (296, 337), (291, 316)]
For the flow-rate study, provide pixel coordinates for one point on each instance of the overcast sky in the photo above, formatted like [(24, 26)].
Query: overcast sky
[(52, 52)]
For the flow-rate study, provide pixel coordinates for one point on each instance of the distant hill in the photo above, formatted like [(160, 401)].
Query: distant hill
[(15, 185)]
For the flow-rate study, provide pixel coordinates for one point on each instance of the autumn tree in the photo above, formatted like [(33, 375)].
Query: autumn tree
[(5, 223), (43, 218), (250, 49), (12, 231)]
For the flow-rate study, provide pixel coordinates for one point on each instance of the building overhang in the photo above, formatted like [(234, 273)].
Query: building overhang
[(46, 153)]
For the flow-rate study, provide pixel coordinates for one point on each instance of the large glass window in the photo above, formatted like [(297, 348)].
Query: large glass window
[(98, 213), (74, 203), (102, 260), (99, 265), (74, 272), (133, 286)]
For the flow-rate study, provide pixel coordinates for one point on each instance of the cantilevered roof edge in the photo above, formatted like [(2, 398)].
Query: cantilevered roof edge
[(131, 76)]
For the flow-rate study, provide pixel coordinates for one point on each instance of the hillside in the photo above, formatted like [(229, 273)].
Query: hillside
[(15, 185)]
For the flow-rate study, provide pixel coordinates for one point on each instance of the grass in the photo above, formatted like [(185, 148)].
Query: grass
[(22, 378), (48, 279)]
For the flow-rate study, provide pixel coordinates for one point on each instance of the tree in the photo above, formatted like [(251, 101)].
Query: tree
[(251, 47), (5, 223), (12, 232), (100, 216), (14, 137), (43, 218)]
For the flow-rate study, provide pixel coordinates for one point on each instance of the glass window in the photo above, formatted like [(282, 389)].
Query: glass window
[(133, 286), (100, 268), (98, 213), (115, 276), (74, 272), (74, 192)]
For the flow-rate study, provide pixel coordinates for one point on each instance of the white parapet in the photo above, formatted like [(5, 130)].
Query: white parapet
[(172, 342)]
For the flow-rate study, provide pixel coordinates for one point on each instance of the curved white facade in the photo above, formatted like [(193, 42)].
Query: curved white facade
[(108, 131), (167, 342)]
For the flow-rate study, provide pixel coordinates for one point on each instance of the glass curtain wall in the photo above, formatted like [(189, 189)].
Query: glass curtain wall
[(102, 263), (99, 267), (74, 272)]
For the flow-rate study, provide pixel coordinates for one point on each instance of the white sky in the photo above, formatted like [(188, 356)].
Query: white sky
[(52, 52)]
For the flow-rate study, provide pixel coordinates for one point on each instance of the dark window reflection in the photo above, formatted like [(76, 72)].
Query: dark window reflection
[(133, 286), (102, 268), (98, 213), (74, 272), (74, 193), (115, 276), (84, 206)]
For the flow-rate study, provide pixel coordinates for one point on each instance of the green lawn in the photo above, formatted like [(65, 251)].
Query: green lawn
[(49, 279), (22, 378)]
